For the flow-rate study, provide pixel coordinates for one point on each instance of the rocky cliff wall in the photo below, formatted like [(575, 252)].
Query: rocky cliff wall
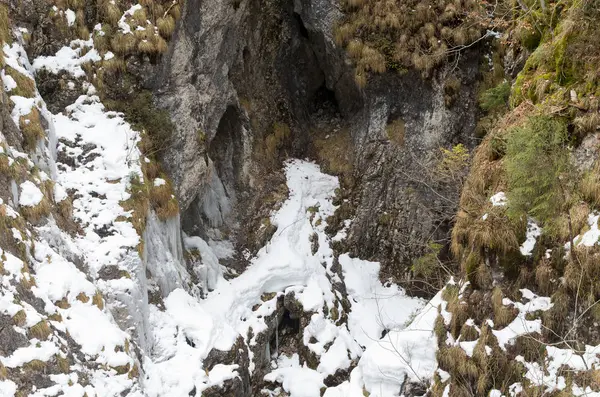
[(236, 69)]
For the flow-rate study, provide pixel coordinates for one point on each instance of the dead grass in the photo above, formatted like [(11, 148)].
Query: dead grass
[(587, 123), (123, 44), (63, 303), (140, 17), (590, 185), (36, 213), (503, 315), (40, 331), (468, 333), (163, 201), (134, 373), (3, 371), (55, 317), (543, 277), (110, 12), (98, 300), (335, 154), (31, 128), (146, 47), (384, 35), (276, 140), (65, 208), (81, 297), (166, 26), (5, 36), (19, 318), (114, 65), (439, 329), (25, 85), (35, 366), (160, 44), (63, 364)]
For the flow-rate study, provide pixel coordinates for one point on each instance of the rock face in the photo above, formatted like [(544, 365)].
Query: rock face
[(236, 68)]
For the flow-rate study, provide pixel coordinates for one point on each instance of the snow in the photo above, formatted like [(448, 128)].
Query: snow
[(533, 232), (298, 380), (590, 237), (498, 199), (8, 388), (30, 195), (402, 354), (521, 325), (70, 14), (107, 174), (159, 182), (53, 251), (123, 25), (97, 335), (9, 82), (59, 193), (221, 372), (285, 265), (68, 58), (42, 351), (375, 308)]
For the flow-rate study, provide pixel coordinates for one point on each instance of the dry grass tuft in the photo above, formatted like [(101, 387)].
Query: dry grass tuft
[(110, 12), (114, 65), (440, 331), (503, 315), (160, 44), (134, 373), (63, 303), (36, 213), (146, 47), (163, 200), (138, 203), (468, 333), (31, 128), (63, 364), (19, 318), (140, 16), (35, 366), (450, 357), (40, 331), (3, 371), (543, 277), (55, 317), (123, 44), (588, 123), (335, 154), (166, 26), (25, 85), (81, 297), (98, 300)]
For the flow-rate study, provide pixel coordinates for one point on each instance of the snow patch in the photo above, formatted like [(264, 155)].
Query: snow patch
[(30, 195)]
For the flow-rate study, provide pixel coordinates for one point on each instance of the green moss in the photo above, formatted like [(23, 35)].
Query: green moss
[(496, 97)]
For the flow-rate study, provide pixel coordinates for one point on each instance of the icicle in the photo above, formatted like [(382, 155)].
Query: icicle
[(277, 341), (268, 351)]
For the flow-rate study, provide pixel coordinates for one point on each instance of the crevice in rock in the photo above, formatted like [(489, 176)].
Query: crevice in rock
[(286, 334), (301, 27), (226, 148)]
